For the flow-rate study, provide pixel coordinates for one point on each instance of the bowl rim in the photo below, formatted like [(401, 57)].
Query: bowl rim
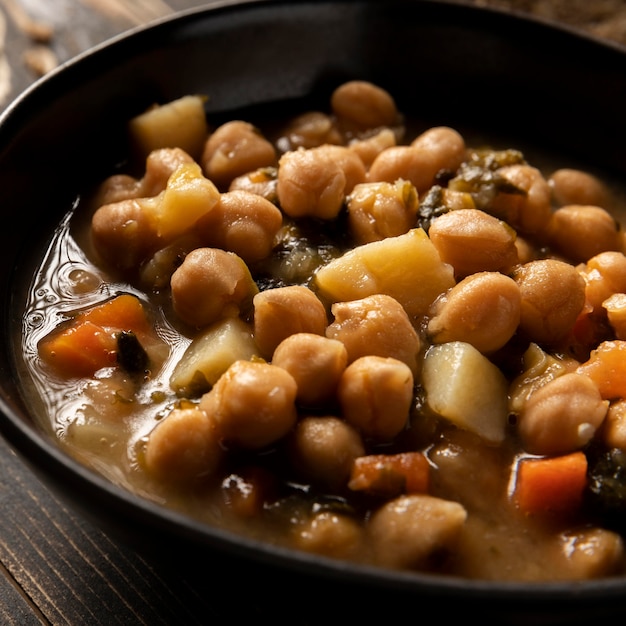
[(31, 443)]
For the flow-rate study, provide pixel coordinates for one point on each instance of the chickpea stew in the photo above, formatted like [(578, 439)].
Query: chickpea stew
[(336, 336)]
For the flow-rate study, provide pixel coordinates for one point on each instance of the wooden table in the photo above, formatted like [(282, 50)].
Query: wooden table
[(55, 567)]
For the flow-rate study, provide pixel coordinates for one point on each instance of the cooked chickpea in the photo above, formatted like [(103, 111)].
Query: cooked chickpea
[(243, 223), (615, 307), (233, 149), (252, 404), (323, 449), (309, 130), (368, 148), (528, 210), (211, 284), (363, 105), (123, 235), (380, 210), (316, 364), (183, 446), (310, 184), (580, 232), (262, 182), (572, 186), (438, 149), (473, 241), (553, 295), (604, 274), (614, 427), (375, 325), (562, 416), (375, 394), (483, 310), (413, 530), (285, 311), (331, 534)]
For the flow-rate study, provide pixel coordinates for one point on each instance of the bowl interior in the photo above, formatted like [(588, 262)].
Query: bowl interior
[(445, 63)]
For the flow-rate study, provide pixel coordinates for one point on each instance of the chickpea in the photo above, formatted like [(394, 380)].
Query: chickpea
[(483, 310), (604, 274), (615, 307), (411, 530), (156, 272), (262, 182), (375, 325), (553, 295), (252, 403), (331, 534), (473, 241), (614, 427), (284, 311), (368, 148), (561, 416), (123, 235), (211, 284), (363, 105), (580, 232), (438, 149), (323, 450), (183, 446), (572, 186), (375, 394), (316, 364), (380, 210), (310, 183), (310, 130), (243, 223), (233, 149), (529, 210)]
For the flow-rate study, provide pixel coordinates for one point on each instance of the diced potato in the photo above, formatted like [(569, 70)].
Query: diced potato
[(463, 386), (406, 267), (177, 124), (210, 354), (187, 197)]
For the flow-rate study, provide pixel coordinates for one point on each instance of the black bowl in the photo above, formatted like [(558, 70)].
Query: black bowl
[(450, 63)]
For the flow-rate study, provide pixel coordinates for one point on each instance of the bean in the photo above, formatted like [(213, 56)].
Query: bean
[(561, 416), (380, 210), (604, 274), (375, 325), (572, 186), (368, 148), (528, 210), (613, 431), (316, 364), (580, 232), (331, 534), (309, 130), (262, 182), (209, 285), (444, 145), (473, 241), (284, 311), (483, 310), (252, 403), (233, 149), (409, 531), (183, 446), (243, 223), (553, 295), (123, 235), (375, 394), (363, 105), (323, 449)]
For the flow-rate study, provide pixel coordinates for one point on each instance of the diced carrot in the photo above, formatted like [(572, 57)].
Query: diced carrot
[(606, 366), (389, 475), (79, 350), (551, 485), (124, 312)]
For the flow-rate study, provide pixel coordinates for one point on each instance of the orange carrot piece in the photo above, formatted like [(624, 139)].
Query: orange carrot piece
[(606, 366), (79, 350), (551, 485), (393, 474), (124, 312)]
